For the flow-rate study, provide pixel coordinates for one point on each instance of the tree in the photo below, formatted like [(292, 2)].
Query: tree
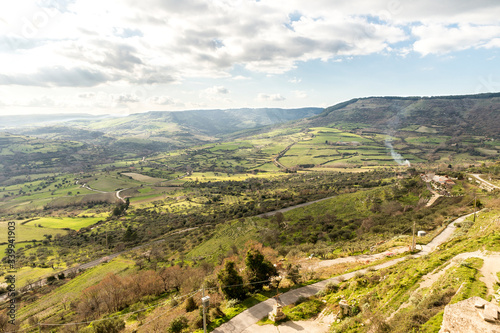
[(172, 277), (231, 282), (109, 326), (177, 325), (258, 269), (191, 305)]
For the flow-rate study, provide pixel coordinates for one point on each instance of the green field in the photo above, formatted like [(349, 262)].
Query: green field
[(75, 223), (110, 183), (28, 233), (56, 300)]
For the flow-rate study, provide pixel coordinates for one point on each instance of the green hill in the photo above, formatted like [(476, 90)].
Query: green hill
[(446, 115)]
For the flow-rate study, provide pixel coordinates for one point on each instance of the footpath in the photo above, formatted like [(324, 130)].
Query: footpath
[(247, 318)]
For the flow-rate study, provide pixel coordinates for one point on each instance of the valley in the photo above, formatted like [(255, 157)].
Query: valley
[(121, 222)]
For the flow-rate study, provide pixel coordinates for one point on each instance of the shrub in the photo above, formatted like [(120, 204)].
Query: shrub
[(232, 303), (177, 325), (191, 305), (109, 326), (331, 287), (301, 299)]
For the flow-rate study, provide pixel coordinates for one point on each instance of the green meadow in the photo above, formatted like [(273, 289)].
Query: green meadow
[(74, 223)]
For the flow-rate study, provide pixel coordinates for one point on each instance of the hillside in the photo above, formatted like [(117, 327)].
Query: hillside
[(165, 200), (445, 115), (206, 122), (154, 130)]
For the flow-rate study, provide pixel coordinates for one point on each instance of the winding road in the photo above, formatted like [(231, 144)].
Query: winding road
[(247, 318), (487, 185), (117, 193)]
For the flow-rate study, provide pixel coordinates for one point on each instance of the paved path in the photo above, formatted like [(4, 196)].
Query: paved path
[(489, 186), (244, 320)]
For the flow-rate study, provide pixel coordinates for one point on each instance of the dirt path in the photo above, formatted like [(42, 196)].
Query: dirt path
[(306, 326), (245, 320), (489, 270), (118, 195), (433, 199), (365, 258), (489, 186)]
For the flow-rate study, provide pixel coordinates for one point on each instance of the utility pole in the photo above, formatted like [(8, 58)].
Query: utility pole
[(474, 206), (413, 241), (205, 301)]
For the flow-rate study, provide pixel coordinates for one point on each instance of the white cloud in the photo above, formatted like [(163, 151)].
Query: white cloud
[(162, 100), (271, 97), (300, 94), (86, 95), (216, 90), (158, 43), (43, 102), (442, 39), (126, 98), (240, 77)]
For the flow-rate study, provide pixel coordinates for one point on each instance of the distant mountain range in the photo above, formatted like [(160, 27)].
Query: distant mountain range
[(160, 130), (446, 115), (16, 121), (152, 130)]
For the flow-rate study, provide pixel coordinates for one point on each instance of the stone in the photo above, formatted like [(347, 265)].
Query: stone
[(479, 304), (491, 310)]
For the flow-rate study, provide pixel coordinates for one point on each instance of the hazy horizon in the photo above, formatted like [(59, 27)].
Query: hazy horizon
[(119, 57)]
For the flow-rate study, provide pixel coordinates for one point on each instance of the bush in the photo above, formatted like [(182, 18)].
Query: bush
[(232, 303), (51, 279), (191, 305), (299, 300), (109, 326), (231, 282), (177, 325), (331, 287)]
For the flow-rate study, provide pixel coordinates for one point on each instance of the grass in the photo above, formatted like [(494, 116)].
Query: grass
[(25, 274), (230, 313), (111, 183), (28, 233), (75, 223), (142, 178), (51, 303), (225, 235)]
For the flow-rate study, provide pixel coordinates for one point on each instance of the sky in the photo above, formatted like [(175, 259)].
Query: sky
[(126, 56)]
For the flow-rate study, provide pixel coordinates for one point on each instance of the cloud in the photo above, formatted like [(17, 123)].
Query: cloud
[(216, 93), (271, 97), (240, 77), (300, 94), (126, 98), (121, 57), (86, 95), (171, 42), (216, 90), (162, 100), (43, 101), (56, 76), (442, 39), (127, 32)]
